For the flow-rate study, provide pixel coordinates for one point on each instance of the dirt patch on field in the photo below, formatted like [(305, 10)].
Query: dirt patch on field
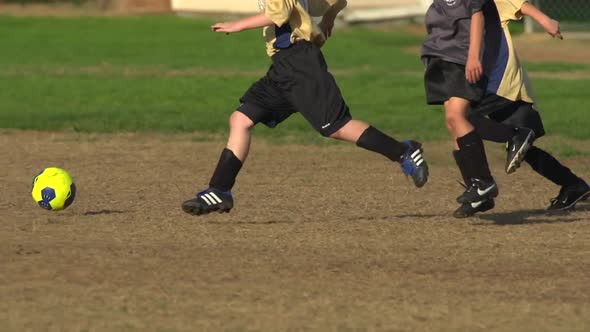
[(542, 48), (321, 238), (564, 76), (108, 70)]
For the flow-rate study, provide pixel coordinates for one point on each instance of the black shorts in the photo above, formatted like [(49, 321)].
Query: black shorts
[(444, 80), (515, 113), (297, 81)]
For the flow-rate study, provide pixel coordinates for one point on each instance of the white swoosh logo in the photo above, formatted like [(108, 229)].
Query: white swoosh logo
[(476, 204), (483, 192)]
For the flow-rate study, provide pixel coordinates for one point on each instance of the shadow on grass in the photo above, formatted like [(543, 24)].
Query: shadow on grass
[(534, 216)]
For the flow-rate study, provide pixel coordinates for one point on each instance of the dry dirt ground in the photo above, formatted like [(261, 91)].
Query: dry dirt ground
[(540, 47), (328, 238)]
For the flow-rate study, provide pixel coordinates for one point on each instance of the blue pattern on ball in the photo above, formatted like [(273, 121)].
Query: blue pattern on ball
[(47, 195)]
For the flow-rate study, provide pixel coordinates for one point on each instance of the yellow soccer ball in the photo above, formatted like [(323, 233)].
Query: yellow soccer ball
[(54, 189)]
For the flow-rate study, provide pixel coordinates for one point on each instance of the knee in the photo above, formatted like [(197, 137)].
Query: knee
[(335, 135), (344, 134), (454, 118), (449, 124), (239, 120), (451, 120), (350, 131)]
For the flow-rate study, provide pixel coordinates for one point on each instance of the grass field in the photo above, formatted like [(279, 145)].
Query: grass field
[(323, 237), (172, 74)]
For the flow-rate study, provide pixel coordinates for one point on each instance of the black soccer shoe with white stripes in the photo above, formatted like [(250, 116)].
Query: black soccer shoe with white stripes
[(478, 191), (517, 148), (208, 201), (468, 209), (569, 196), (413, 163)]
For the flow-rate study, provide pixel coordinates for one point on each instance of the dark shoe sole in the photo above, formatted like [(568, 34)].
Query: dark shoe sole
[(520, 154), (460, 213), (197, 209), (420, 181)]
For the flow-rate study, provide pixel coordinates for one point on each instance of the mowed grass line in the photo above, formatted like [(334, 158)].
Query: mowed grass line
[(172, 74)]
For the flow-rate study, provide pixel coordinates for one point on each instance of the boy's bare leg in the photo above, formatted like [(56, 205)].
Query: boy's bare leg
[(240, 134), (235, 153), (351, 131), (456, 118)]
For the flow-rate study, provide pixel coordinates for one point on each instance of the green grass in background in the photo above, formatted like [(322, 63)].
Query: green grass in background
[(172, 74)]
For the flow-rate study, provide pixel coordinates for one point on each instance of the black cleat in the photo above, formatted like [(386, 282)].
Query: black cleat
[(569, 196), (208, 201), (468, 209), (413, 163), (517, 148), (479, 190)]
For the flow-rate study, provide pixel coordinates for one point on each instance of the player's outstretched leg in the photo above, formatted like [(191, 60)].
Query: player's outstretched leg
[(408, 153)]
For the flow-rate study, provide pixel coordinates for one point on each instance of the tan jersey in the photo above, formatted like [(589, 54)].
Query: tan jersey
[(292, 19), (508, 79)]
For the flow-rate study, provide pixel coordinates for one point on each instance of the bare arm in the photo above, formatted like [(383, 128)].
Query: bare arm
[(327, 23), (473, 68), (247, 23), (550, 25)]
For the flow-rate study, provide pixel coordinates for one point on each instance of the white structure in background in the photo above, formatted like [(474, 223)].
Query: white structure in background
[(383, 10), (217, 6), (357, 11)]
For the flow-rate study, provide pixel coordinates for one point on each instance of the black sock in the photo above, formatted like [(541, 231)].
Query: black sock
[(226, 171), (491, 130), (474, 155), (460, 160), (550, 168), (374, 140)]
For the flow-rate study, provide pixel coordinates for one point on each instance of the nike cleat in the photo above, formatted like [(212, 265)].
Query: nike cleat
[(517, 148), (468, 209), (569, 196), (208, 201), (479, 190), (413, 163)]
